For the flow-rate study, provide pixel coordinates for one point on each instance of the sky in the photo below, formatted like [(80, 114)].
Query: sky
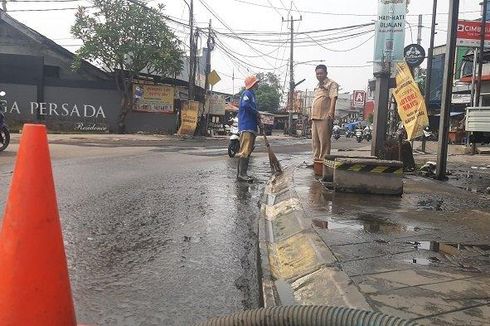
[(348, 59)]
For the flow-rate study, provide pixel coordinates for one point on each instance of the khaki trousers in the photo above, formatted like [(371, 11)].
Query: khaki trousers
[(247, 143), (321, 133)]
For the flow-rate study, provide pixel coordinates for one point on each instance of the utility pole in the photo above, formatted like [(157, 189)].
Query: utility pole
[(210, 47), (4, 5), (481, 52), (447, 88), (192, 52), (419, 42), (428, 76), (233, 80), (291, 74), (380, 119)]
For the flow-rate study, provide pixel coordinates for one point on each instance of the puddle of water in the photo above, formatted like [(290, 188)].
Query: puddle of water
[(423, 261), (364, 223), (450, 249)]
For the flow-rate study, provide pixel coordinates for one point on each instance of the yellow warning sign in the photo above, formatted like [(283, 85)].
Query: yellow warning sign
[(411, 104), (213, 78)]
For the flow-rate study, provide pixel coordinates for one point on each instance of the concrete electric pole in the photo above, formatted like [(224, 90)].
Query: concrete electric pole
[(192, 51), (430, 55), (447, 89), (291, 75)]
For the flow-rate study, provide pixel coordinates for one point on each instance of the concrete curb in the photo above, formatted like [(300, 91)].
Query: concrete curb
[(297, 267)]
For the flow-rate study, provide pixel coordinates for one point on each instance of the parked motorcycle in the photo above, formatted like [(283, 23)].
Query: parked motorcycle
[(336, 134), (359, 135), (367, 135), (234, 143), (429, 135), (349, 133), (4, 132)]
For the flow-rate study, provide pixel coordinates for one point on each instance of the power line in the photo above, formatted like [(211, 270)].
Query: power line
[(50, 9), (235, 55), (346, 50), (345, 14), (300, 33), (280, 15), (230, 29), (42, 1)]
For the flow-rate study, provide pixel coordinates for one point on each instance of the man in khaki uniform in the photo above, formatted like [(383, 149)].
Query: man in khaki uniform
[(322, 113)]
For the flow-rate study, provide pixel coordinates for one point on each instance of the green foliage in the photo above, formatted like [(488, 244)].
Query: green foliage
[(126, 39), (269, 92), (119, 35)]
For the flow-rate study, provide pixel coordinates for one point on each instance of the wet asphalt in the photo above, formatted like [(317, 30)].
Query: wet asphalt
[(164, 236)]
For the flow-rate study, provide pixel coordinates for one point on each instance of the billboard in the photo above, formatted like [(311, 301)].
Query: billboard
[(390, 33), (468, 33), (358, 99), (215, 104), (153, 98)]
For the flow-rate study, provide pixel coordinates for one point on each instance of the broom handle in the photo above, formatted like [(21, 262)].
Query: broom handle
[(265, 137)]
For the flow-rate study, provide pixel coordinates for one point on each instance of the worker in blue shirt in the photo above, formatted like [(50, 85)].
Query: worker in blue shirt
[(248, 121)]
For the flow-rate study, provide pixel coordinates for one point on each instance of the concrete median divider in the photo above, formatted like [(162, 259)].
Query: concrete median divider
[(293, 258), (368, 176)]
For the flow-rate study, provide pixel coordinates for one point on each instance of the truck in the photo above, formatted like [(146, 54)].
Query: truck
[(478, 123)]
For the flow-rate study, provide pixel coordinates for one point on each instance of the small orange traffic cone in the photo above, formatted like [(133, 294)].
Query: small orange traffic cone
[(34, 283)]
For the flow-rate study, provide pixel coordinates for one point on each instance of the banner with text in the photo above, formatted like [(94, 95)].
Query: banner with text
[(411, 104), (389, 39), (468, 33), (153, 98), (188, 118), (215, 104)]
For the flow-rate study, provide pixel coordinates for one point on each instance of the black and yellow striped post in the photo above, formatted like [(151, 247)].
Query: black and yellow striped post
[(368, 176)]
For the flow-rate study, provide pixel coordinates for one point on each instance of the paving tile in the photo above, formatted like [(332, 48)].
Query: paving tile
[(477, 316), (419, 301), (387, 310), (473, 289), (372, 249), (383, 282)]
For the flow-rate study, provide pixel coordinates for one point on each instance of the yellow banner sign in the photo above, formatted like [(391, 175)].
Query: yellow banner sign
[(411, 104), (188, 118), (153, 98)]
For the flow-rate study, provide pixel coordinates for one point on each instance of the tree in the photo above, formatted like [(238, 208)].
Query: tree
[(269, 92), (126, 39)]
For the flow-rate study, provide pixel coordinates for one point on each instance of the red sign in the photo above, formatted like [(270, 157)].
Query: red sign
[(358, 99), (469, 33)]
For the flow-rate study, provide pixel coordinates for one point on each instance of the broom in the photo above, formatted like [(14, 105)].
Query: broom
[(273, 161)]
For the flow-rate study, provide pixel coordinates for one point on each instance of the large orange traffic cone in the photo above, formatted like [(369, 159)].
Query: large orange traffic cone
[(34, 283)]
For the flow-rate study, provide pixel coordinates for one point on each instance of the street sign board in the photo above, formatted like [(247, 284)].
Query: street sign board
[(414, 55), (213, 78), (389, 33), (468, 33), (358, 99)]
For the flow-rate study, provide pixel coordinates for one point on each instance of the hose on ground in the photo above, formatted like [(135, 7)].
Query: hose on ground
[(307, 316)]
